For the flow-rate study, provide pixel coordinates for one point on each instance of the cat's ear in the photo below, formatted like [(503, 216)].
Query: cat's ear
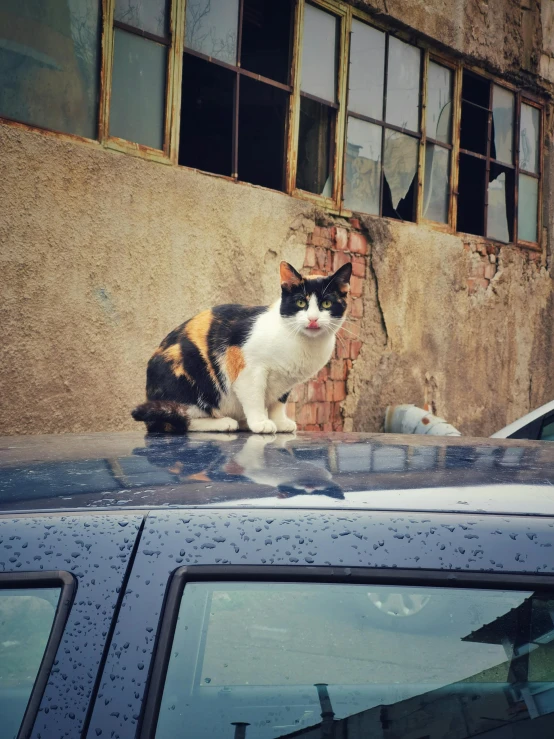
[(289, 276), (342, 277)]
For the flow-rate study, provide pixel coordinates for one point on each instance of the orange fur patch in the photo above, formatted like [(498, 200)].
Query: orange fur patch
[(197, 330), (174, 356), (234, 362), (288, 278)]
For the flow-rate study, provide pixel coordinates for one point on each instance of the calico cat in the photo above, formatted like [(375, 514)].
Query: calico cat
[(237, 364)]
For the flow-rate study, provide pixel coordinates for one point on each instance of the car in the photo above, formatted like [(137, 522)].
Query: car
[(235, 586), (539, 424)]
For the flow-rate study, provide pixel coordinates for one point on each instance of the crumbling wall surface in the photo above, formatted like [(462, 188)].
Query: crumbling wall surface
[(467, 330), (102, 255)]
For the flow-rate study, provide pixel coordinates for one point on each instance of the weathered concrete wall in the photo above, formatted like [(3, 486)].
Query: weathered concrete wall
[(101, 254)]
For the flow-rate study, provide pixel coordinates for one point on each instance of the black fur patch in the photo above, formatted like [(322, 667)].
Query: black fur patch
[(284, 397), (162, 416)]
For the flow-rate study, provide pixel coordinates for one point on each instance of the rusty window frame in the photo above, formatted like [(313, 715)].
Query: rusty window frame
[(173, 42)]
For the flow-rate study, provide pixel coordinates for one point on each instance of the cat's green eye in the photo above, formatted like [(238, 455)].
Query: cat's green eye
[(300, 302), (326, 304)]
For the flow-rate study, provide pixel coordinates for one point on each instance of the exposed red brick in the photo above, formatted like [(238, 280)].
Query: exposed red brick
[(327, 426), (329, 390), (309, 258), (356, 223), (483, 283), (339, 390), (357, 243), (490, 271), (329, 261), (471, 286), (356, 286), (316, 390), (320, 257), (338, 369), (323, 412), (358, 266), (311, 427), (478, 270), (291, 410), (336, 415), (355, 347), (352, 330), (323, 374), (308, 414), (356, 308), (341, 239), (342, 348), (339, 258)]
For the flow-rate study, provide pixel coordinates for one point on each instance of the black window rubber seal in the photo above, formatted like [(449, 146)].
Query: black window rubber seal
[(29, 580), (532, 582)]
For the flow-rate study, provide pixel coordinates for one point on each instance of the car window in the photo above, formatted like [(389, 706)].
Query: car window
[(547, 431), (261, 661), (26, 620)]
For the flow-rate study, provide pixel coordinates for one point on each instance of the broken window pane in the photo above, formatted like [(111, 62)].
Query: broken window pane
[(50, 63), (315, 146), (502, 125), (148, 15), (266, 35), (367, 52), (471, 195), (476, 89), (500, 212), (262, 126), (529, 138), (206, 140), (400, 180), (438, 122), (437, 183), (319, 54), (138, 90), (527, 207), (211, 28), (403, 84), (363, 166), (475, 114)]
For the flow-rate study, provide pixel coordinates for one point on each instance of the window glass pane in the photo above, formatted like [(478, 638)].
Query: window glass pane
[(500, 212), (315, 145), (417, 660), (527, 208), (403, 85), (148, 15), (436, 186), (471, 195), (211, 28), (547, 431), (400, 181), (319, 54), (367, 52), (266, 36), (138, 90), (26, 618), (529, 138), (363, 166), (439, 103), (502, 125), (262, 125), (50, 64), (206, 140)]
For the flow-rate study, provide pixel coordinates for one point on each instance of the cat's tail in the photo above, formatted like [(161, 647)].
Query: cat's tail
[(163, 416)]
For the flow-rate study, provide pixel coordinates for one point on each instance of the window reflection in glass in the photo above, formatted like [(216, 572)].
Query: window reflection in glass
[(26, 619), (400, 181), (211, 28), (319, 54), (420, 659), (148, 15), (527, 208), (315, 144), (50, 63), (138, 90), (438, 115), (503, 102), (529, 130), (500, 212), (436, 186), (403, 84), (363, 167), (365, 88)]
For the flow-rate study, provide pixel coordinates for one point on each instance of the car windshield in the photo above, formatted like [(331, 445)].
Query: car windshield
[(262, 661)]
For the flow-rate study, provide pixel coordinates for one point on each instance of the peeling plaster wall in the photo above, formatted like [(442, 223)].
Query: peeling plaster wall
[(102, 254)]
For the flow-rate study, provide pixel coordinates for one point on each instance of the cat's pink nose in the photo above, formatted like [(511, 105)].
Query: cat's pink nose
[(313, 323)]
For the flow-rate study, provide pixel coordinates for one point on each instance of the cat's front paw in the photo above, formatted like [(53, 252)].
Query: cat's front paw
[(285, 426), (262, 427)]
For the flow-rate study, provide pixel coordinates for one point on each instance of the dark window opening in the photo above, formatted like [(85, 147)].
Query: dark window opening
[(207, 116), (476, 90), (262, 128), (266, 38), (315, 145), (405, 210), (471, 197), (474, 128)]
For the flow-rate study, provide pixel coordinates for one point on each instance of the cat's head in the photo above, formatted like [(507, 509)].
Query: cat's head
[(314, 306)]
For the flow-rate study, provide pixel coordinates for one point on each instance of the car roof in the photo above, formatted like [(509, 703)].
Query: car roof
[(511, 428), (312, 471)]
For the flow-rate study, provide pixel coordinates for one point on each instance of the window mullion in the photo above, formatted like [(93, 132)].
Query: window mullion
[(173, 113), (385, 83), (294, 106), (423, 130), (516, 128), (342, 94), (108, 7), (488, 164), (455, 162)]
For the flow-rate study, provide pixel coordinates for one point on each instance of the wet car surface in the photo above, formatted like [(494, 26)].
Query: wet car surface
[(423, 543)]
